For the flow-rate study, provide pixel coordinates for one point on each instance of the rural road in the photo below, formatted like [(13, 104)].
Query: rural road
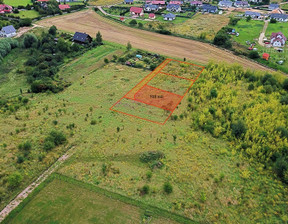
[(262, 34), (90, 22)]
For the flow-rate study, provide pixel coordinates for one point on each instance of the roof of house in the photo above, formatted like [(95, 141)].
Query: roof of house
[(42, 0), (250, 13), (241, 3), (226, 3), (196, 3), (151, 15), (151, 6), (279, 16), (275, 6), (208, 7), (80, 37), (129, 1), (156, 2), (4, 7), (276, 35), (136, 9), (176, 2), (173, 6), (8, 29), (64, 7), (169, 15)]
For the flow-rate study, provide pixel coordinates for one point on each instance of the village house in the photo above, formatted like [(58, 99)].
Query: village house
[(5, 9), (209, 8), (169, 17), (129, 2), (255, 1), (225, 4), (161, 4), (176, 2), (253, 15), (278, 39), (196, 3), (82, 38), (173, 8), (8, 31), (136, 11), (64, 7), (152, 16), (150, 8), (241, 4), (273, 7), (279, 17)]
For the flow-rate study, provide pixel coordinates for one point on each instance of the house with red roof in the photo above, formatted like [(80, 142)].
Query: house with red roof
[(5, 8), (152, 16), (136, 11), (278, 39), (266, 56), (64, 7), (176, 2)]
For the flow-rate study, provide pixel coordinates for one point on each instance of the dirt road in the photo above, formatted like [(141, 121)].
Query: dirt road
[(262, 34), (90, 22)]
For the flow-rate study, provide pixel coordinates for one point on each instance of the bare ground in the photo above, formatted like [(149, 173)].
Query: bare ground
[(90, 22)]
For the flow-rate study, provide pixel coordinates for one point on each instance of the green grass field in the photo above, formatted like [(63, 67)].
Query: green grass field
[(277, 27), (18, 2), (211, 181), (60, 198), (28, 14)]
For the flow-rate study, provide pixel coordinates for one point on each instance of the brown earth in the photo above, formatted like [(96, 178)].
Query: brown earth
[(90, 22)]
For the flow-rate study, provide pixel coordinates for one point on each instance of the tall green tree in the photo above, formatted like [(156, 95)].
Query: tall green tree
[(129, 46), (99, 39)]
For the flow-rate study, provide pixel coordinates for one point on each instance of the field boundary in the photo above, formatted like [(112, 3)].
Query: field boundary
[(149, 209), (145, 83)]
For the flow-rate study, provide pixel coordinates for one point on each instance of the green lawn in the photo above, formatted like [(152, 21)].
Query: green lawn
[(60, 198), (18, 2), (277, 27), (28, 14)]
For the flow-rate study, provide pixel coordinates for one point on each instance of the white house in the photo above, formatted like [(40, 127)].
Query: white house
[(278, 39), (8, 31)]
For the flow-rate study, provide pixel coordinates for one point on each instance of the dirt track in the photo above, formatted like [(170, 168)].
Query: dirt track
[(90, 22)]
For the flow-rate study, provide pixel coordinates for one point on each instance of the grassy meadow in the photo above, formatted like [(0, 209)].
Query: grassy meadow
[(18, 2), (211, 180), (28, 14)]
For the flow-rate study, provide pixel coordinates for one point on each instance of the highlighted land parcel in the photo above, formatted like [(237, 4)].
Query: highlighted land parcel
[(156, 97)]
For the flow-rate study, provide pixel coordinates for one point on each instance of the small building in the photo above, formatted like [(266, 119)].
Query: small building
[(151, 8), (169, 17), (176, 2), (129, 2), (173, 8), (209, 8), (82, 38), (5, 9), (278, 39), (279, 17), (256, 1), (196, 3), (253, 15), (273, 7), (136, 11), (266, 56), (241, 4), (152, 16), (8, 31), (64, 7), (225, 4)]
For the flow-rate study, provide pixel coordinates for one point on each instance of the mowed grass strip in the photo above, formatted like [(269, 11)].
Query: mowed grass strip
[(17, 2), (63, 200)]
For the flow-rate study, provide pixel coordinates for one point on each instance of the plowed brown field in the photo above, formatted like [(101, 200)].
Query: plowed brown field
[(90, 22)]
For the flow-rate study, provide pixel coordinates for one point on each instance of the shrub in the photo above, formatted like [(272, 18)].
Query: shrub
[(106, 60), (48, 145), (93, 122), (284, 100), (213, 93), (283, 132), (30, 40), (147, 157), (145, 189), (25, 146), (281, 168), (167, 187), (254, 54), (52, 30), (20, 159), (238, 129), (58, 137), (273, 20), (149, 175), (133, 22), (251, 87), (14, 179), (285, 84)]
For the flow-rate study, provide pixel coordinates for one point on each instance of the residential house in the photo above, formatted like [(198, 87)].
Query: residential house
[(241, 4), (173, 8), (255, 1), (266, 56), (169, 17), (152, 16), (161, 4), (136, 11), (278, 39), (279, 17), (196, 3), (209, 8), (64, 7), (5, 9), (82, 38), (150, 8), (176, 2), (8, 31), (225, 4), (273, 7), (130, 2), (253, 15)]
